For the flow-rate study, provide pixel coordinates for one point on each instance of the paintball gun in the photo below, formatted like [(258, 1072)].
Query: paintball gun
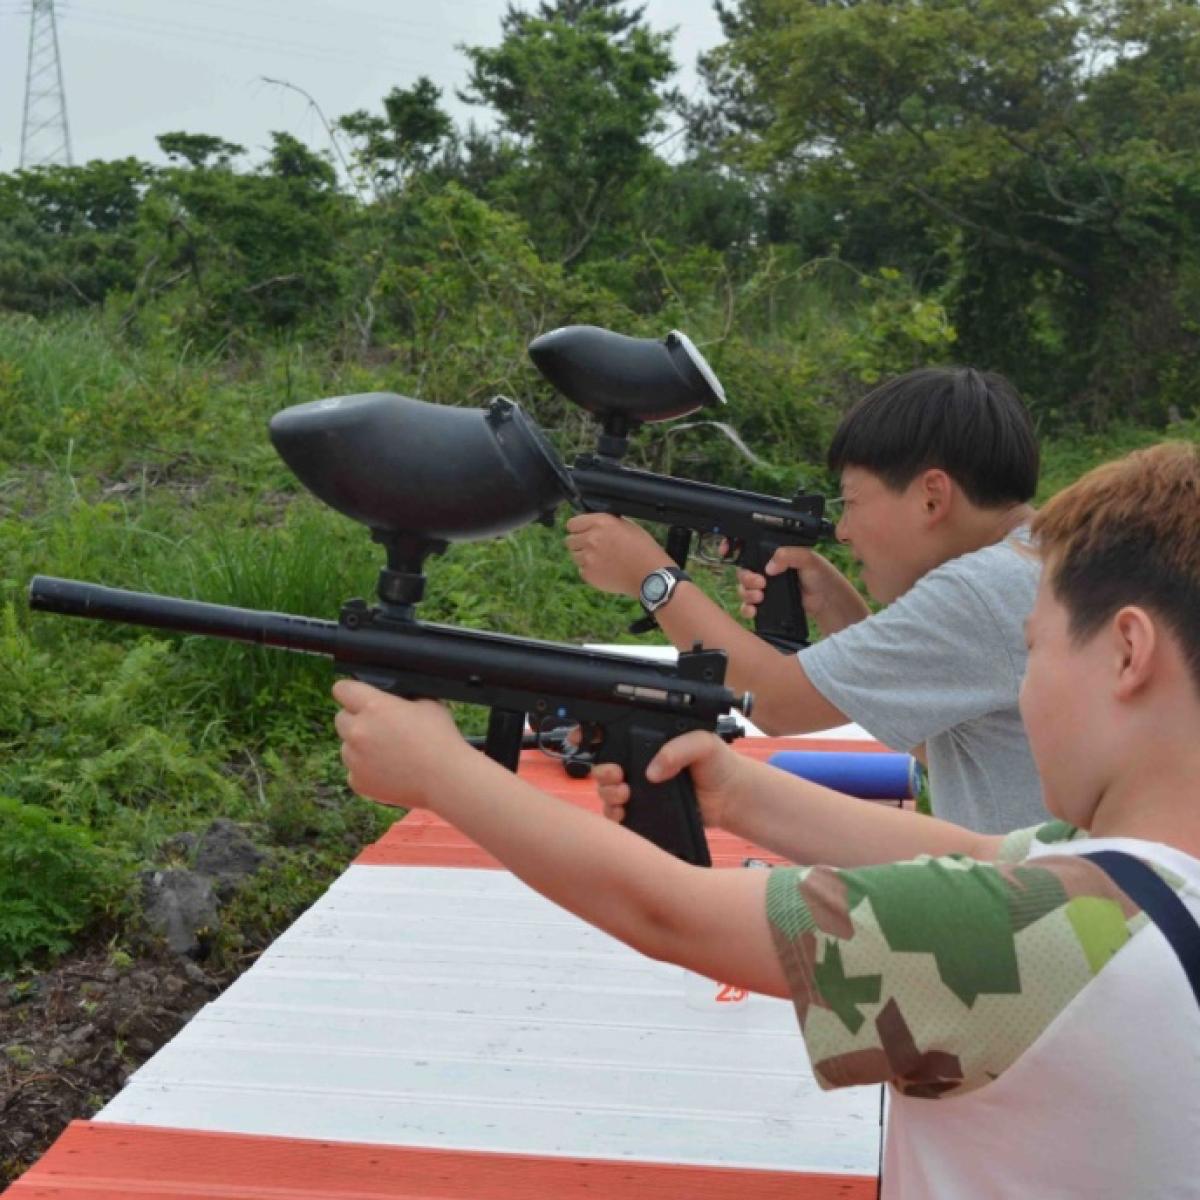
[(625, 382), (421, 476)]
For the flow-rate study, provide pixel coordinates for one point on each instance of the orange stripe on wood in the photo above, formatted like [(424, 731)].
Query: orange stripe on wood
[(100, 1161), (421, 839)]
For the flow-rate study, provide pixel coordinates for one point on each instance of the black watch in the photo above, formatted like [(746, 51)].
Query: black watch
[(659, 586)]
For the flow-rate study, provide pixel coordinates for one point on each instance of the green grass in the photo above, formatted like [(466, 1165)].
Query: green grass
[(150, 469)]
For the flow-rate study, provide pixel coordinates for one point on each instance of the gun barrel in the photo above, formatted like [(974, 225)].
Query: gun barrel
[(72, 598), (438, 660)]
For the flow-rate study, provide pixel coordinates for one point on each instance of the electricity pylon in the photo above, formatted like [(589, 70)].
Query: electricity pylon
[(45, 138)]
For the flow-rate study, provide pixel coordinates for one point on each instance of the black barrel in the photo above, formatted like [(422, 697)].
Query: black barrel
[(455, 664), (284, 630)]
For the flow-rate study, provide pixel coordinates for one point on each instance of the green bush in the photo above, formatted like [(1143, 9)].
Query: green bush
[(54, 880)]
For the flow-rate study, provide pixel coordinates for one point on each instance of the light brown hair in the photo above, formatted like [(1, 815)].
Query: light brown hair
[(1128, 532)]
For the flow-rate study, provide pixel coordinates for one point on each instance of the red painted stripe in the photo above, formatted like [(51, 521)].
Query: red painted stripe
[(423, 840), (120, 1162)]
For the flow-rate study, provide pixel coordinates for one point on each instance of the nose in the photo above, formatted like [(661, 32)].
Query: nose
[(839, 530)]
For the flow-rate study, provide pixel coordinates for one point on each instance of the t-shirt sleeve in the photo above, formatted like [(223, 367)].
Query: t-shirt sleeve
[(935, 658), (937, 974)]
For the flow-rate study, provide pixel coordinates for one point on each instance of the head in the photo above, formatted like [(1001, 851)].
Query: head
[(1114, 636), (929, 461)]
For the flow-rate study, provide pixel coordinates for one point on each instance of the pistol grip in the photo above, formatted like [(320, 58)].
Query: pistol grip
[(664, 813), (780, 618)]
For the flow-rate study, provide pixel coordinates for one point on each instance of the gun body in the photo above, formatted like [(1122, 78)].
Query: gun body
[(754, 525), (629, 707)]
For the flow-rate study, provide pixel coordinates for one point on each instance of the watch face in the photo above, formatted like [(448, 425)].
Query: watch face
[(654, 588)]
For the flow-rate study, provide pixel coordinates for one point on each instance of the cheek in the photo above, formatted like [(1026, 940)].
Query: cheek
[(870, 530), (1035, 706)]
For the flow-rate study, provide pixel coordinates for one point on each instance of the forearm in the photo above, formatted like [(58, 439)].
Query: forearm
[(784, 701), (832, 618), (606, 875), (806, 823)]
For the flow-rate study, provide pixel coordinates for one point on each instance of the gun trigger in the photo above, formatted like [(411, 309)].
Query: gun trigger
[(383, 680)]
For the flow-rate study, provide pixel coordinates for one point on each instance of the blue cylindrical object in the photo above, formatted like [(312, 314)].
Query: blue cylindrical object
[(869, 775)]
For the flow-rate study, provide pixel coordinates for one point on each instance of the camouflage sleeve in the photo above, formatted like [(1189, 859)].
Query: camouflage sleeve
[(937, 974), (1016, 845)]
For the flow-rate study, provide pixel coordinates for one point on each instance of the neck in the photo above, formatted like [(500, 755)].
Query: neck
[(982, 527), (1156, 798), (1009, 519)]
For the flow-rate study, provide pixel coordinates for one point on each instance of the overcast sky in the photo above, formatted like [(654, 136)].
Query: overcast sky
[(136, 68)]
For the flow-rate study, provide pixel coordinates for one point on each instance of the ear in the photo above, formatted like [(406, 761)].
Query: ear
[(1137, 643), (935, 491)]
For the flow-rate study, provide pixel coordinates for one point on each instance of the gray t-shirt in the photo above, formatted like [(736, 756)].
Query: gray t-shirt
[(942, 665)]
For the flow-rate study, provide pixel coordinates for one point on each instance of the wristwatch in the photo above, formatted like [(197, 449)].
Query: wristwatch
[(659, 586)]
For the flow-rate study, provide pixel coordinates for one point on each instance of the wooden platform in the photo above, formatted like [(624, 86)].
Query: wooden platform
[(431, 1029)]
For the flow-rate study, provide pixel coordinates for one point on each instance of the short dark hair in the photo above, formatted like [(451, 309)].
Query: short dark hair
[(1126, 533), (971, 424)]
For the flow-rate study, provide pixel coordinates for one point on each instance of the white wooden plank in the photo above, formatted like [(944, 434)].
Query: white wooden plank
[(458, 1009)]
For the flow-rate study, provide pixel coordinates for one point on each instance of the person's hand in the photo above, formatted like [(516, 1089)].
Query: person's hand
[(613, 554), (829, 597), (717, 777), (395, 750)]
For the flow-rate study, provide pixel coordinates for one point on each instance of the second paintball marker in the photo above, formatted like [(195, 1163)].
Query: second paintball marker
[(625, 382)]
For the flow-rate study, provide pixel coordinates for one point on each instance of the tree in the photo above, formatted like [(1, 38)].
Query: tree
[(197, 148), (1040, 156), (244, 252), (67, 234), (577, 86), (405, 139)]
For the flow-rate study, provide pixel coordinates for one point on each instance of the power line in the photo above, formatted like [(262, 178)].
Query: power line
[(344, 17), (229, 39), (45, 136)]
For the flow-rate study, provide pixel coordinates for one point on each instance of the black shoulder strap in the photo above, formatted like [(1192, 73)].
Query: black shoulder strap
[(1155, 897)]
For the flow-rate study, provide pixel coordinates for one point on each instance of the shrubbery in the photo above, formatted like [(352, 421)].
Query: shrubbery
[(54, 881)]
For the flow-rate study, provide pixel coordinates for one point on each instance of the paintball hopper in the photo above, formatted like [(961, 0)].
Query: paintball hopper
[(435, 472), (626, 380)]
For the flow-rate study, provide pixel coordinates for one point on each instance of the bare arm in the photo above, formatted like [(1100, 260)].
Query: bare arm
[(811, 824), (712, 922), (615, 555), (800, 821), (785, 700)]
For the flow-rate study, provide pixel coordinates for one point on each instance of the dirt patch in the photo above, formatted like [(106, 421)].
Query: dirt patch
[(72, 1036)]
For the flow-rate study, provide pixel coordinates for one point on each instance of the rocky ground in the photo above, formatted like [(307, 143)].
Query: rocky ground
[(71, 1036)]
